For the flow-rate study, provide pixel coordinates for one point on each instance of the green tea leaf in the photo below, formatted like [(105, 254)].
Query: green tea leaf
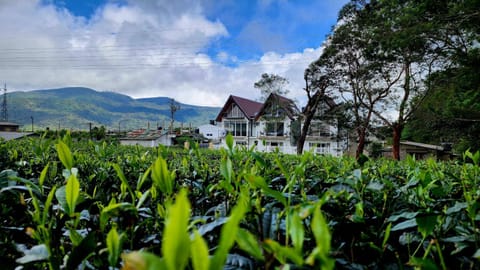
[(386, 235), (124, 186), (61, 196), (321, 232), (296, 231), (284, 254), (426, 224), (199, 251), (114, 209), (43, 175), (113, 246), (229, 231), (410, 223), (229, 141), (162, 177), (176, 241), (248, 243), (323, 238), (64, 155), (85, 248), (72, 191), (226, 169)]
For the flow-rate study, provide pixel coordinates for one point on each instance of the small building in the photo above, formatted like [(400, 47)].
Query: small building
[(9, 127), (147, 138), (212, 132), (421, 151), (10, 131)]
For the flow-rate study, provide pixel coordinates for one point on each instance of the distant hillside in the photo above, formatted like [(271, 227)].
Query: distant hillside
[(76, 107)]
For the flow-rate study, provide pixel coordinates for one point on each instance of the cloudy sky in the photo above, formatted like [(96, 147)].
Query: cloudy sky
[(198, 52)]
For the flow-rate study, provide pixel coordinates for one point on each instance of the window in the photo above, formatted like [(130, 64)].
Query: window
[(320, 148), (236, 128), (274, 128), (318, 129)]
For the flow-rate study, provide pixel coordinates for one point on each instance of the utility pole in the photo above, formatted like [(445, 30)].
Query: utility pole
[(32, 122), (4, 104)]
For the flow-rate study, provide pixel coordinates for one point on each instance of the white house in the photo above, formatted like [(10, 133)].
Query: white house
[(276, 124), (211, 132)]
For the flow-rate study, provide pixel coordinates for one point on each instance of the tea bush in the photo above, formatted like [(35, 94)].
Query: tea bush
[(69, 204)]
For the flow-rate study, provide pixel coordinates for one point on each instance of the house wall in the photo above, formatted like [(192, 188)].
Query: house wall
[(212, 132)]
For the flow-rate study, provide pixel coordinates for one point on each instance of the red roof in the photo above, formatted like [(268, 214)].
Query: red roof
[(287, 104), (249, 107)]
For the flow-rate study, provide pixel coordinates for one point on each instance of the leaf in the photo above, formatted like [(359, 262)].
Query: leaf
[(199, 251), (176, 241), (321, 232), (296, 231), (64, 155), (61, 196), (456, 208), (477, 254), (226, 169), (48, 202), (229, 231), (405, 215), (422, 263), (162, 177), (229, 141), (283, 254), (426, 224), (72, 191), (410, 223), (83, 250), (206, 228), (386, 235), (124, 185), (238, 262), (259, 182), (142, 260), (248, 243), (113, 246), (112, 209), (43, 175), (36, 253)]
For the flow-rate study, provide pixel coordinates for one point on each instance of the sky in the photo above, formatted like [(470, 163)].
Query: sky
[(197, 52)]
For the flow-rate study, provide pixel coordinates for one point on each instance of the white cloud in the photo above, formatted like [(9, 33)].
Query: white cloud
[(143, 49)]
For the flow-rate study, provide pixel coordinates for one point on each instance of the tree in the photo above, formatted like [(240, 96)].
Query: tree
[(360, 80), (174, 107), (316, 84), (271, 83)]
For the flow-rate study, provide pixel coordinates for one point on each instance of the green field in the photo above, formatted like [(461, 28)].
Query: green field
[(68, 204)]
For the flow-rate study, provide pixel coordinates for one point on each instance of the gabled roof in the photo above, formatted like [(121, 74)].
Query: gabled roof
[(249, 107), (285, 103)]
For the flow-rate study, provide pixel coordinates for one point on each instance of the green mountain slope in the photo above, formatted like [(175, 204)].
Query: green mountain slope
[(77, 107)]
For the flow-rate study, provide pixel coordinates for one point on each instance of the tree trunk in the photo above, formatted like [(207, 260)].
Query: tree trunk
[(308, 113), (361, 132), (397, 132)]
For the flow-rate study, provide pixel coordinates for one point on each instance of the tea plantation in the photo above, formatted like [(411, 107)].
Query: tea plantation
[(69, 204)]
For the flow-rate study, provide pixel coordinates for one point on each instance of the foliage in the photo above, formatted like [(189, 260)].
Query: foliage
[(271, 84), (91, 205)]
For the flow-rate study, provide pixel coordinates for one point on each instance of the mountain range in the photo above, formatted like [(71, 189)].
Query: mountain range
[(77, 108)]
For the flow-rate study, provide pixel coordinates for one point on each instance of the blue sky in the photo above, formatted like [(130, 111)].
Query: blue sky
[(198, 52)]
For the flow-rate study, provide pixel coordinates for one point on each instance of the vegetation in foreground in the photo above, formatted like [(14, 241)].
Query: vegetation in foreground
[(86, 205)]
